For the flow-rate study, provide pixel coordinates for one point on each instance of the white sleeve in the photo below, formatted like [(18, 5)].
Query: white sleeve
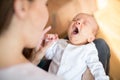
[(95, 65), (50, 52)]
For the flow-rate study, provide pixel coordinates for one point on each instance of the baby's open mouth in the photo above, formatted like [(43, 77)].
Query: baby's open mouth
[(75, 31)]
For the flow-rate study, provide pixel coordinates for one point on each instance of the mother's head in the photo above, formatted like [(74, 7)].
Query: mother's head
[(23, 19)]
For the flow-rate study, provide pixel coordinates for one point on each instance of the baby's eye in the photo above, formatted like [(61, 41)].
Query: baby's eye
[(85, 22), (76, 19)]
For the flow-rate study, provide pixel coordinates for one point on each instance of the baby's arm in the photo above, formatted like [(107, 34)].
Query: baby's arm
[(95, 65), (51, 39)]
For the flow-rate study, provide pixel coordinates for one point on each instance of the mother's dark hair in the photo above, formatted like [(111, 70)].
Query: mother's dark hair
[(6, 13)]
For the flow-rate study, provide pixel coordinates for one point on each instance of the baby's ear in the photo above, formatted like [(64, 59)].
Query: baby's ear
[(91, 38)]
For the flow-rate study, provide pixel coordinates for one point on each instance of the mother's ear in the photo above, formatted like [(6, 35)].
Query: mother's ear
[(21, 8), (91, 38)]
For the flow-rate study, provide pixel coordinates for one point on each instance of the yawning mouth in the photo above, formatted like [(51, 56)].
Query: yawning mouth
[(75, 31)]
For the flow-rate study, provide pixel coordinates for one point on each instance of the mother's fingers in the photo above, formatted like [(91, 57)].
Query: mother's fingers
[(42, 38), (46, 30)]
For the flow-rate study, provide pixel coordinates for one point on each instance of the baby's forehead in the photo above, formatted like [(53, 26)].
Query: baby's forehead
[(83, 16), (86, 18)]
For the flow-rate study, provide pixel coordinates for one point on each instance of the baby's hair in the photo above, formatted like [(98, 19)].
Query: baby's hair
[(97, 27)]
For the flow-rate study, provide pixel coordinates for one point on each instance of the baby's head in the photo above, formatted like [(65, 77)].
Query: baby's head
[(82, 29)]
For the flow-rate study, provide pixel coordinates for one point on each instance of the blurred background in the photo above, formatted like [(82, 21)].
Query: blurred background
[(107, 15)]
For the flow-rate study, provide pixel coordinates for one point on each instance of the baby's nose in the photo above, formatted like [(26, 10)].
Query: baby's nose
[(77, 22)]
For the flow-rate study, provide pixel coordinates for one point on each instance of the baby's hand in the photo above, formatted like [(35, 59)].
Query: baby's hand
[(51, 38)]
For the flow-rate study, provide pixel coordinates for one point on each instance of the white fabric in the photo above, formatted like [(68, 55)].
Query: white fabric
[(70, 61), (25, 72)]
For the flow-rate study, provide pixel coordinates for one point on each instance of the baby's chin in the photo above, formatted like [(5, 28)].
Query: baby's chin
[(76, 42)]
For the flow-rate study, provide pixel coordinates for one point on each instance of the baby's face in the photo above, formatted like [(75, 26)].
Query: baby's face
[(81, 28)]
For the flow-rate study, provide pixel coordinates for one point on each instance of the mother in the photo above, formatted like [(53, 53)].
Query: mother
[(22, 25)]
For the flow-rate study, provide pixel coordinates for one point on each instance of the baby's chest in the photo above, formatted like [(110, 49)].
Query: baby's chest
[(71, 58)]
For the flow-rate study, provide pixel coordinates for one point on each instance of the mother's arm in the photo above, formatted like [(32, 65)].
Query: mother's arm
[(87, 75)]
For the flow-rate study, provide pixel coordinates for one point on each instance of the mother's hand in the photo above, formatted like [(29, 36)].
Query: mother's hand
[(38, 53), (87, 75)]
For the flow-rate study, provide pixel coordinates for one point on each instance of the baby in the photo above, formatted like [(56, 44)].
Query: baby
[(70, 58)]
